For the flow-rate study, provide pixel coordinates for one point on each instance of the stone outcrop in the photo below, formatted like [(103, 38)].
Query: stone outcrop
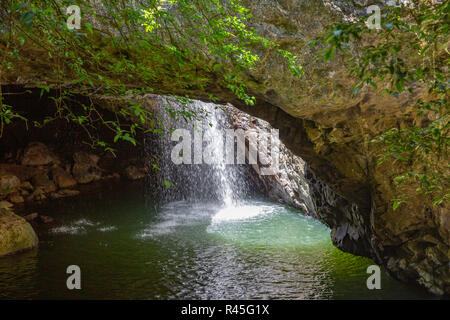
[(296, 185), (320, 121), (288, 184), (85, 168), (37, 154), (16, 234), (62, 178), (47, 175), (8, 184)]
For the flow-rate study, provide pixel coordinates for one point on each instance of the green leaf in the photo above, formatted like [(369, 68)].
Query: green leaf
[(395, 205)]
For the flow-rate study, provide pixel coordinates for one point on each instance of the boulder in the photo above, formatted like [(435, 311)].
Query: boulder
[(26, 185), (16, 198), (37, 195), (31, 216), (5, 205), (16, 234), (38, 154), (24, 173), (64, 193), (8, 184), (46, 219), (85, 168), (134, 173), (41, 180), (62, 178)]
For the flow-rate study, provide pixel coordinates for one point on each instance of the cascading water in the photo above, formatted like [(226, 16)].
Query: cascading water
[(199, 181)]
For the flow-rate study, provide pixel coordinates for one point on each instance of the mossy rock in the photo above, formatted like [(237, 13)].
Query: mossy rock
[(16, 234)]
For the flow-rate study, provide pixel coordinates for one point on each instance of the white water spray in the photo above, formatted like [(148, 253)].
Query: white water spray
[(207, 177)]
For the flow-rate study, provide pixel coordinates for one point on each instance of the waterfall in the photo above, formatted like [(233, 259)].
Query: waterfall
[(200, 181)]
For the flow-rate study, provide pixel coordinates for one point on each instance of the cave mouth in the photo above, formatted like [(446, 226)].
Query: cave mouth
[(216, 236)]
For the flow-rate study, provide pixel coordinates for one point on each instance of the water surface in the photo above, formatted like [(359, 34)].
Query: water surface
[(129, 249)]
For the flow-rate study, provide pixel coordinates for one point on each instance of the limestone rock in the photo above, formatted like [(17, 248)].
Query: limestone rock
[(26, 185), (38, 154), (8, 184), (64, 193), (62, 178), (5, 205), (16, 234), (16, 198), (287, 184), (85, 169), (42, 181), (24, 173), (37, 195), (31, 216)]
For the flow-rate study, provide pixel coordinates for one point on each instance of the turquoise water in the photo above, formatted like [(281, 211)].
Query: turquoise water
[(129, 249)]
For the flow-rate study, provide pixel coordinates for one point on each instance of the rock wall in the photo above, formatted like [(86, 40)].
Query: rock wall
[(289, 184), (320, 121), (296, 185)]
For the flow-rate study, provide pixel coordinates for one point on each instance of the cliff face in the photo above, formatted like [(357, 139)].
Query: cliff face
[(331, 131), (320, 121)]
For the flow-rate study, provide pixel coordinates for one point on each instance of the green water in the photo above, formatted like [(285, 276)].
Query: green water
[(128, 249)]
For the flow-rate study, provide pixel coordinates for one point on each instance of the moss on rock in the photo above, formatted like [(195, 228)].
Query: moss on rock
[(16, 234)]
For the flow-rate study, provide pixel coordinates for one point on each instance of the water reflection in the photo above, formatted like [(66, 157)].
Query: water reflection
[(186, 251)]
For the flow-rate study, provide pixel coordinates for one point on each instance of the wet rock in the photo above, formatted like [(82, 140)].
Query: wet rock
[(37, 195), (31, 216), (16, 234), (64, 193), (287, 184), (134, 173), (26, 185), (42, 181), (26, 188), (16, 198), (62, 178), (38, 154), (85, 169), (5, 205), (8, 184), (24, 173), (46, 219)]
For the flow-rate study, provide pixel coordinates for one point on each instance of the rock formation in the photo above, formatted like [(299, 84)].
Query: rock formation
[(16, 234), (320, 121)]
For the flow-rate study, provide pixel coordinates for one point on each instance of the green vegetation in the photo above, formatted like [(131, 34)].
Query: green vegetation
[(124, 50), (408, 54)]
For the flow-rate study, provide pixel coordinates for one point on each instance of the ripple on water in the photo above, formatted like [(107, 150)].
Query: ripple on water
[(178, 214), (81, 226)]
